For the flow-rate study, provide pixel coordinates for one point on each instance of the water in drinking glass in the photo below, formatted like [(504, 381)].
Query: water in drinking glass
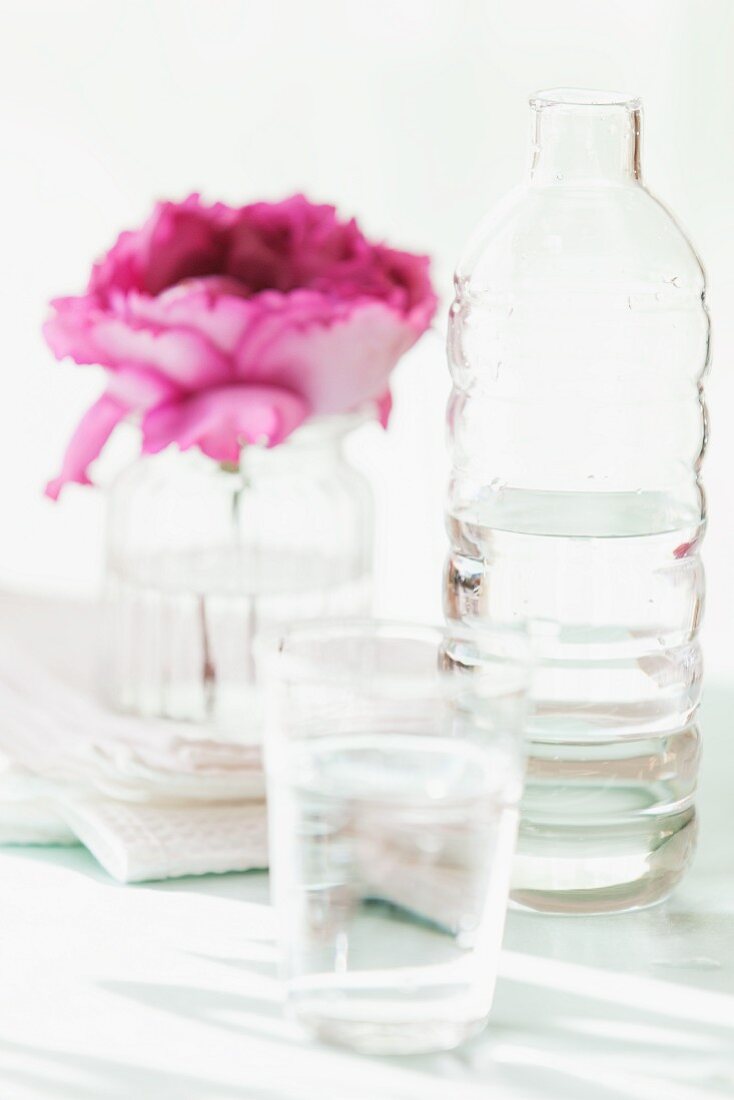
[(395, 762), (395, 859)]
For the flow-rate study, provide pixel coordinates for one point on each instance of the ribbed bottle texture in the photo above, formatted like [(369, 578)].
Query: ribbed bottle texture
[(578, 342)]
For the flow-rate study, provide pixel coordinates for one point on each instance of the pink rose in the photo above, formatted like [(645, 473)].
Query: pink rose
[(220, 326)]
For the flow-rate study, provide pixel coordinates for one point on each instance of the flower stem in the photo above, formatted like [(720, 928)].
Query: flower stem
[(252, 610), (208, 669)]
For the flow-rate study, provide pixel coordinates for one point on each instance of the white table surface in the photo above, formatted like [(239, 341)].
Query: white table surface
[(167, 991)]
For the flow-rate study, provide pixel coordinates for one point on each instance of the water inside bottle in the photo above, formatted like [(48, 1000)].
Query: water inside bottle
[(607, 819)]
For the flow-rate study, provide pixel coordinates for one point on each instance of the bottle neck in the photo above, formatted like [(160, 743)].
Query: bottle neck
[(585, 137)]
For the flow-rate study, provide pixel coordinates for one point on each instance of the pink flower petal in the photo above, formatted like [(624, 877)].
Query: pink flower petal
[(90, 436), (70, 329), (227, 324), (178, 241), (215, 307), (181, 355), (410, 274), (221, 421), (384, 408), (338, 355), (185, 242), (257, 262), (152, 334), (140, 388)]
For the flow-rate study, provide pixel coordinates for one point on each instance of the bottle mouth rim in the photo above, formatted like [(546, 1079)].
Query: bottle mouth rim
[(571, 98)]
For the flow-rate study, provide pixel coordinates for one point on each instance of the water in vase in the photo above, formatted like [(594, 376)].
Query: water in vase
[(181, 627)]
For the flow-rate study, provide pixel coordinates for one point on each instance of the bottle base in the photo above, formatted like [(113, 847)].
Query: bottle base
[(577, 873)]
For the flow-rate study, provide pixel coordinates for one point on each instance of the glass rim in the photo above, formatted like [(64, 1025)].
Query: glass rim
[(516, 652), (583, 98)]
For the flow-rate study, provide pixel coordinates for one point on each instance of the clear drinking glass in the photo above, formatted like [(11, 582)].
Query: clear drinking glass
[(395, 761)]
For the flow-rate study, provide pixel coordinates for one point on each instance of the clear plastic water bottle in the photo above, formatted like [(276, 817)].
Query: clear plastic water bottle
[(578, 342)]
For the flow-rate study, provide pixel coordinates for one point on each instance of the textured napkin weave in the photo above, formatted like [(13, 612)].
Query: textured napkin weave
[(149, 799), (135, 842)]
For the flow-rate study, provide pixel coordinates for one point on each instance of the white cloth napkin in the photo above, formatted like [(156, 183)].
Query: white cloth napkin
[(149, 799)]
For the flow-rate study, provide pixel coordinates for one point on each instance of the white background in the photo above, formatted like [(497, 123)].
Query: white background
[(410, 114)]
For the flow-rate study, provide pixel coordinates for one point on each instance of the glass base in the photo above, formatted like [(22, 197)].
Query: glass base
[(387, 1038), (582, 872)]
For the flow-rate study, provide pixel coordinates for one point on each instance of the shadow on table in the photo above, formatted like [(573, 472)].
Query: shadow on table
[(234, 1012), (55, 1074), (70, 857), (230, 885), (76, 858), (321, 1073), (265, 965), (548, 1038), (574, 1031), (685, 941)]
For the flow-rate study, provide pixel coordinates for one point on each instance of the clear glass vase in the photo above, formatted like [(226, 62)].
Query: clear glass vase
[(202, 557), (578, 344)]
